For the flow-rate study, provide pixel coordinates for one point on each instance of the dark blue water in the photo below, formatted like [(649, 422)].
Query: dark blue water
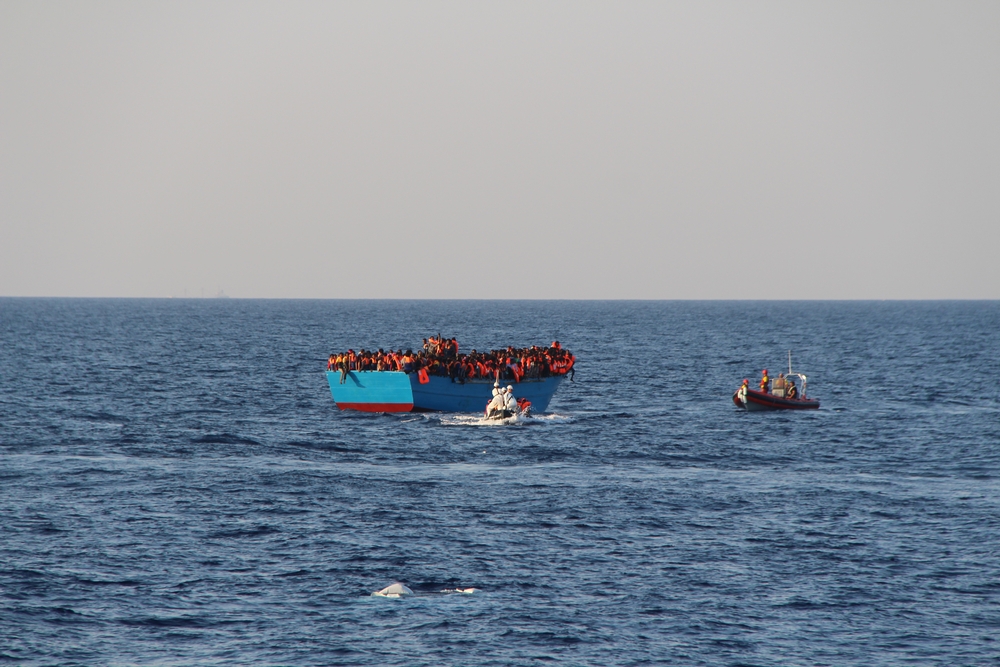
[(179, 488)]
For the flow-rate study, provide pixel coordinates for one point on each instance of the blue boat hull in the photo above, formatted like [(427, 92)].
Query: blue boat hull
[(371, 391), (392, 391)]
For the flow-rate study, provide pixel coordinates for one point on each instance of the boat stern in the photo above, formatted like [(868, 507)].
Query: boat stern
[(371, 391)]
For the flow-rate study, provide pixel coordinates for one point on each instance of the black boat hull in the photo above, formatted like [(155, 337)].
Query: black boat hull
[(758, 401)]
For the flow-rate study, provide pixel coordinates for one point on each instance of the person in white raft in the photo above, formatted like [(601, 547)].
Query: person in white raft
[(396, 590), (496, 406), (510, 403), (503, 405)]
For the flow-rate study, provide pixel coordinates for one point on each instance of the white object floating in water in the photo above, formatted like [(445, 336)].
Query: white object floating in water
[(396, 590), (466, 591)]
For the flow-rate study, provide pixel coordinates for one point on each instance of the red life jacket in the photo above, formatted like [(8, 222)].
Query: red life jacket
[(518, 373)]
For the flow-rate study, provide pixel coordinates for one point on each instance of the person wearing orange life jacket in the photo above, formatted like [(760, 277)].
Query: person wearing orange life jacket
[(765, 382), (571, 366), (514, 364), (530, 366), (511, 367), (342, 365)]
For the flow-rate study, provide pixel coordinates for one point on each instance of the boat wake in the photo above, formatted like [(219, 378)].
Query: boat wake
[(478, 420)]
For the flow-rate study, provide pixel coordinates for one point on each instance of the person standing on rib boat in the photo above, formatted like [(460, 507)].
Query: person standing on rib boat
[(496, 406), (510, 403)]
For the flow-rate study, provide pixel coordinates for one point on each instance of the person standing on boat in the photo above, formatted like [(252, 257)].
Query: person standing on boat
[(765, 381), (510, 403), (742, 393), (496, 405), (342, 365), (791, 391)]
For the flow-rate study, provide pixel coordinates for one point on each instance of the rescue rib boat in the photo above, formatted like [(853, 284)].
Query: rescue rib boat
[(775, 399), (754, 401)]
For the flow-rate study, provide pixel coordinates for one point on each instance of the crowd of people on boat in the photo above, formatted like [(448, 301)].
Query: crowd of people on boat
[(440, 356)]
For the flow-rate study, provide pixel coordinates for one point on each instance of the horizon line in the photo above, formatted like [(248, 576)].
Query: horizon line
[(540, 299)]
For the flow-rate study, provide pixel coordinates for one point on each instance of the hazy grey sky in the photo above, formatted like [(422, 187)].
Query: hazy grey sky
[(518, 149)]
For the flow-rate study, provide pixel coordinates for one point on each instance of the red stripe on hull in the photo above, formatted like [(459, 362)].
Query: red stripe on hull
[(376, 407), (762, 401)]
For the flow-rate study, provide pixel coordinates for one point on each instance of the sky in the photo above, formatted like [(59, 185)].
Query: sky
[(552, 150)]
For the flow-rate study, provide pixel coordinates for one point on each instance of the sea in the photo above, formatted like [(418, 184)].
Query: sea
[(177, 487)]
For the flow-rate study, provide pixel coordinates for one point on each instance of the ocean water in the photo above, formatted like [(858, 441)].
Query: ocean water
[(178, 487)]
